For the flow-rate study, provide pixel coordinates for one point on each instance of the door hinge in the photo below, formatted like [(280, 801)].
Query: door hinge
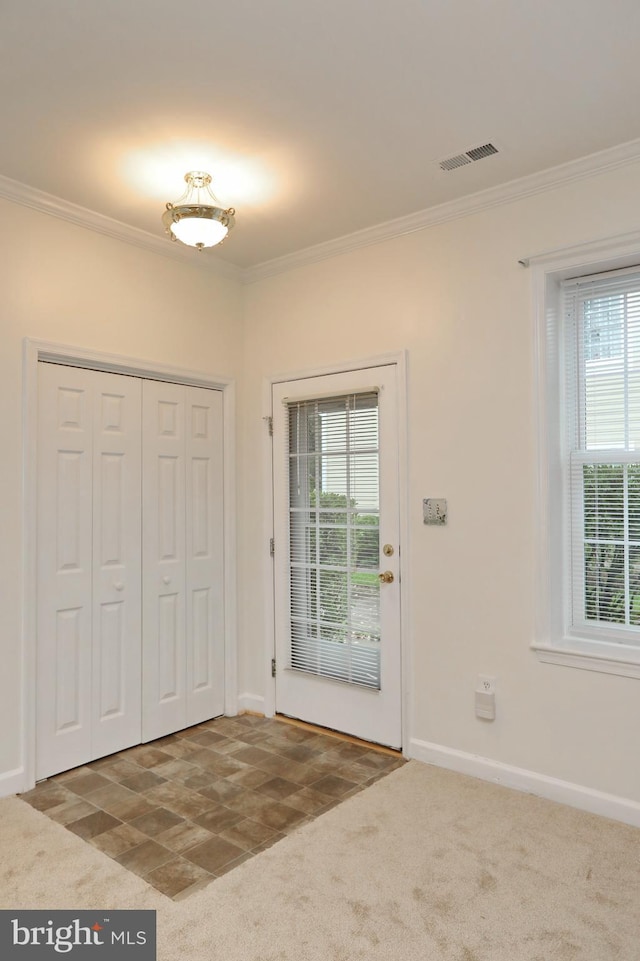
[(269, 421), (272, 546), (273, 667)]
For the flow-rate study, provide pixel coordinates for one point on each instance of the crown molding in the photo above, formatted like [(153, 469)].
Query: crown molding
[(45, 203), (589, 166)]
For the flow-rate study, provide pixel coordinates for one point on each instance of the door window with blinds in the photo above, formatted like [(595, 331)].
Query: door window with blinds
[(334, 509), (602, 407)]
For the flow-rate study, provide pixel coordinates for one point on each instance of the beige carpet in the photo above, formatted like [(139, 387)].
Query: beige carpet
[(425, 865)]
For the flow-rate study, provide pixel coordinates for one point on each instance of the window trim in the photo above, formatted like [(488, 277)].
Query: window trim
[(554, 641)]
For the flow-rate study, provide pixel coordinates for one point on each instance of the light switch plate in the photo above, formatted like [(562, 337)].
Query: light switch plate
[(434, 510)]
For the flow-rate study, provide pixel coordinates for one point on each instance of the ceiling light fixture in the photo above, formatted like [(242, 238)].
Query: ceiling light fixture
[(194, 220)]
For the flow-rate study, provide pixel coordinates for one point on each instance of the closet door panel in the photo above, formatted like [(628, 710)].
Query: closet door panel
[(205, 554), (117, 601), (163, 560), (64, 525), (130, 562)]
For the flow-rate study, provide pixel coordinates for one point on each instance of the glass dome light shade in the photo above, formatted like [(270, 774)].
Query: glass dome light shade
[(193, 219), (198, 231)]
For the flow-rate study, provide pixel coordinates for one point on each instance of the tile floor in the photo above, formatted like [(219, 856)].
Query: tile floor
[(187, 808)]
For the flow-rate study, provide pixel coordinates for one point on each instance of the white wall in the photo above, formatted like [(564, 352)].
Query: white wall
[(62, 283), (455, 297)]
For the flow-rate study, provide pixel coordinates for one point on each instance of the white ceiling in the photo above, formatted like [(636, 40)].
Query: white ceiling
[(317, 118)]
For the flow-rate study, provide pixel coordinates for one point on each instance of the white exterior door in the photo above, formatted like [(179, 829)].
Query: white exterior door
[(336, 530), (183, 570), (88, 665)]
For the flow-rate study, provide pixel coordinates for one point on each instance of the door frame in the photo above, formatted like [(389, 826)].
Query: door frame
[(35, 351), (399, 359)]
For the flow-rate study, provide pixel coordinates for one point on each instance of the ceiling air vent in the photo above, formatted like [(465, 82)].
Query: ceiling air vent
[(475, 153), (452, 162)]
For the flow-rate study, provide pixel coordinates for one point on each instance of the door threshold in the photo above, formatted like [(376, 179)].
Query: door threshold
[(317, 729)]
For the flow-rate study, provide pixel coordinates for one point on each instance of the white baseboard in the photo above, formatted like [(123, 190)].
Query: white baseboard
[(253, 703), (12, 782), (553, 789)]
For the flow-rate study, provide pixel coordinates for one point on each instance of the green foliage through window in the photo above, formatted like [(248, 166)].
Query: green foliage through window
[(612, 542)]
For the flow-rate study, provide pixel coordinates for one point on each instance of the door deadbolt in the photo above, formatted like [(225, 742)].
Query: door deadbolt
[(387, 550)]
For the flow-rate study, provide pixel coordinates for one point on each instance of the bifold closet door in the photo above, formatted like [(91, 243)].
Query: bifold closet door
[(183, 564), (89, 556)]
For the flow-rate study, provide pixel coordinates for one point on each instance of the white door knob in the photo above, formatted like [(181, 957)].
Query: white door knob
[(119, 585), (166, 579)]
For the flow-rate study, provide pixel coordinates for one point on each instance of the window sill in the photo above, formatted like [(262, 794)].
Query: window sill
[(586, 655)]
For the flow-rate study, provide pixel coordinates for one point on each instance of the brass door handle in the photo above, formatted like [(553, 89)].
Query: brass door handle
[(386, 577)]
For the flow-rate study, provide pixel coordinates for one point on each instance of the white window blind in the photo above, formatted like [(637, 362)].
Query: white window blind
[(602, 379), (334, 509)]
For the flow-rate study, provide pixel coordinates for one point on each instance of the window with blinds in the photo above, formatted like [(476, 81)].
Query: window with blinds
[(334, 510), (602, 380)]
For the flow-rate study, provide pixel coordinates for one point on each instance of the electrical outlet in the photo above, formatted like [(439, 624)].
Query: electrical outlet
[(486, 684), (486, 697)]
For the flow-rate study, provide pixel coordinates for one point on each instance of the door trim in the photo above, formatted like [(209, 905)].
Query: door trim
[(35, 351), (399, 359)]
